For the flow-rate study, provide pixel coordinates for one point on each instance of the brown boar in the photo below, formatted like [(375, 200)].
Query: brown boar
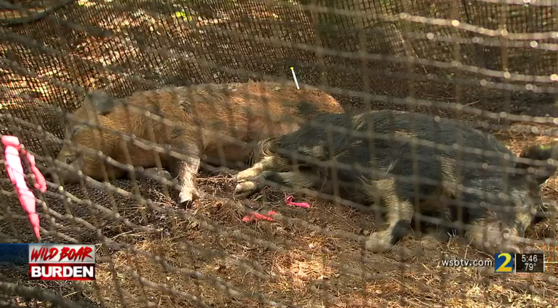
[(203, 116), (463, 180)]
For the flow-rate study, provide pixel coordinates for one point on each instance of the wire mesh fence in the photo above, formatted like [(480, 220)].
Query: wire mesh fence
[(164, 127)]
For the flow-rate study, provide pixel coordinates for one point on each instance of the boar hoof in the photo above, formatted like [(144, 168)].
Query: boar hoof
[(163, 173), (379, 242), (187, 196), (245, 175), (144, 174), (245, 189)]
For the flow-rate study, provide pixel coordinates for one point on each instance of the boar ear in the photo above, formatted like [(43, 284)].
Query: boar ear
[(101, 101), (541, 153)]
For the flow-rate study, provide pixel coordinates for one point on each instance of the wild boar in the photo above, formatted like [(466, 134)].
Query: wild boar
[(201, 115), (462, 173)]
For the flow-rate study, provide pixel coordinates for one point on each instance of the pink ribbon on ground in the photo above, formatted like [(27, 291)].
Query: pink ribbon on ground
[(15, 172), (289, 201), (256, 216)]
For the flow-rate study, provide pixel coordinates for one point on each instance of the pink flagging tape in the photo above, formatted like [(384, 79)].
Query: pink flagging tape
[(16, 175), (257, 216), (289, 201)]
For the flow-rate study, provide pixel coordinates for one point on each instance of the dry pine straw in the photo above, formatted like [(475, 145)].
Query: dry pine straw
[(311, 269)]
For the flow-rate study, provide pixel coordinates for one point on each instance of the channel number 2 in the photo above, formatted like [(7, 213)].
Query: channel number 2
[(504, 268)]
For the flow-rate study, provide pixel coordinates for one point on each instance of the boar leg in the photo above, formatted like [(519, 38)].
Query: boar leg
[(398, 217), (269, 163), (291, 179), (186, 170), (488, 238)]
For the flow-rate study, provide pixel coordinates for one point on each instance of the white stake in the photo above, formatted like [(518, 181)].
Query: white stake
[(294, 76)]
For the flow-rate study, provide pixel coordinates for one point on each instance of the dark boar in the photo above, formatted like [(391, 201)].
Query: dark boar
[(248, 112), (380, 161)]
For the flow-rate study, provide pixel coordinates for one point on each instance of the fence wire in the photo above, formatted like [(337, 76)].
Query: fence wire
[(225, 67)]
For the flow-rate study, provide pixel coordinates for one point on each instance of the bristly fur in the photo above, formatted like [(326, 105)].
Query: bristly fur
[(394, 159), (247, 112)]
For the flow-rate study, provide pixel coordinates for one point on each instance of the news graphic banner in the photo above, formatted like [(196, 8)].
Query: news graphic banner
[(506, 262), (519, 263), (77, 262), (52, 261)]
